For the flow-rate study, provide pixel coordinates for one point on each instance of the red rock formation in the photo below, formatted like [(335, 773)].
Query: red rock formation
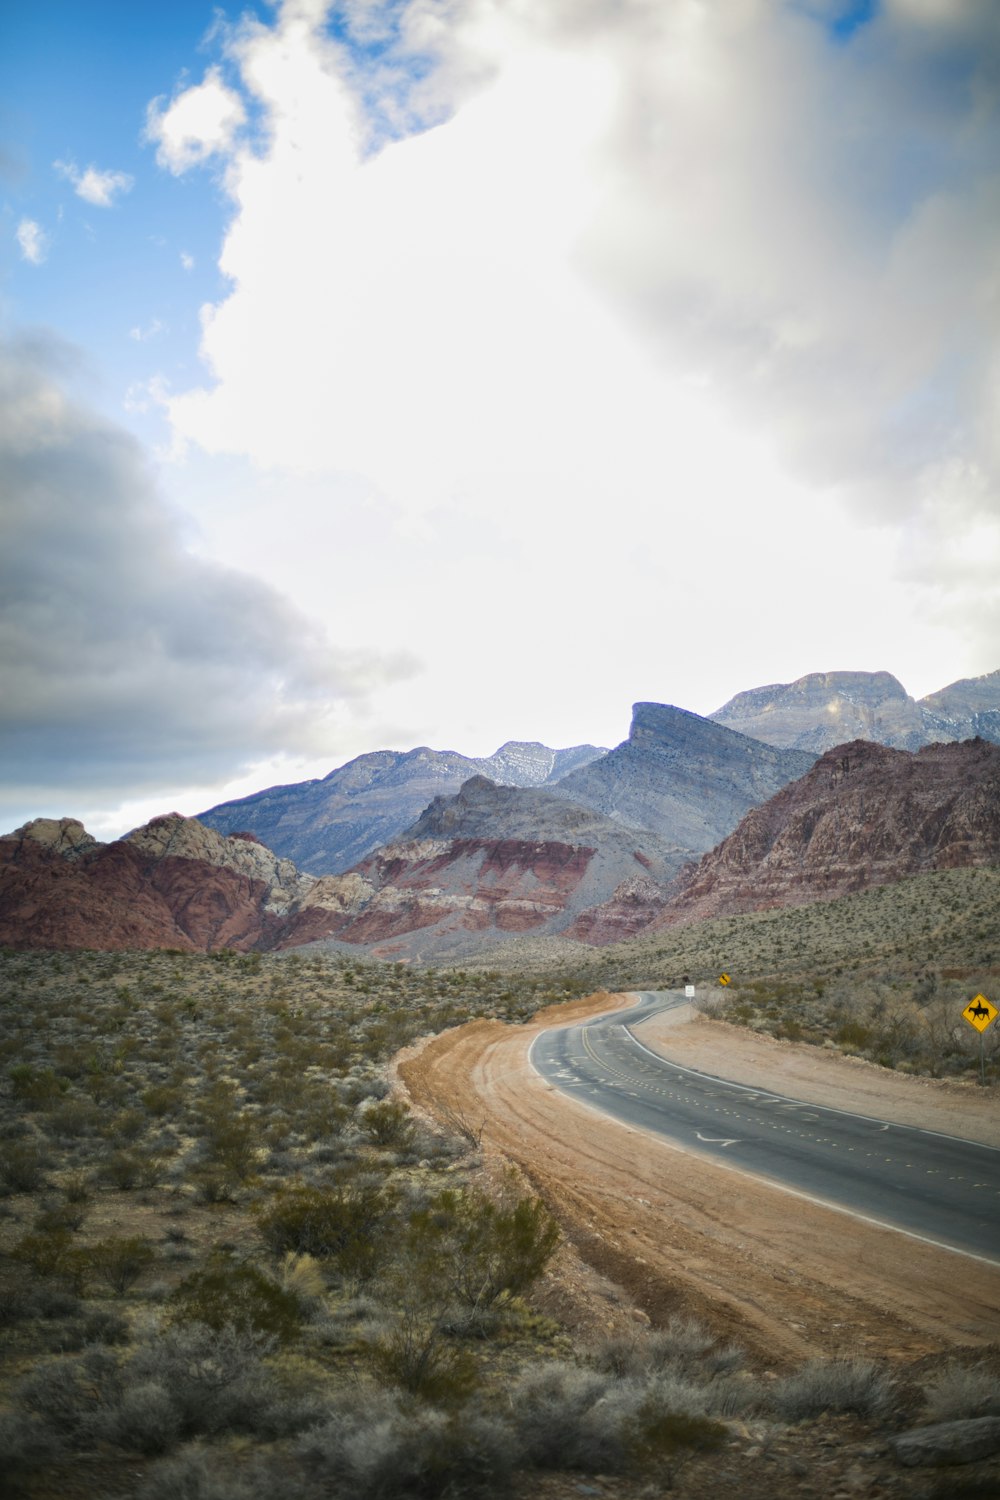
[(864, 815), (470, 884), (59, 889)]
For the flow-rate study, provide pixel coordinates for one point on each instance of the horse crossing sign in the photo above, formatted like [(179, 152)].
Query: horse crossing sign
[(980, 1013)]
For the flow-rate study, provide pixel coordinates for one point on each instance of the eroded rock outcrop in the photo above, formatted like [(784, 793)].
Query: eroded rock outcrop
[(169, 884), (489, 863), (865, 815)]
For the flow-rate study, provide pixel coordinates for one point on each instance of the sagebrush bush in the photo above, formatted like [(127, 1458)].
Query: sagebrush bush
[(839, 1385), (957, 1391), (219, 1382), (377, 1448), (194, 1475), (146, 1420), (560, 1413)]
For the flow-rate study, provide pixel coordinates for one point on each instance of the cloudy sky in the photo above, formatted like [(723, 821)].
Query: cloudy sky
[(397, 372)]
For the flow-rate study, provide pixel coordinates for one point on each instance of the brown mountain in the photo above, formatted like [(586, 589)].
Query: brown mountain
[(864, 815), (488, 864), (170, 884), (825, 709)]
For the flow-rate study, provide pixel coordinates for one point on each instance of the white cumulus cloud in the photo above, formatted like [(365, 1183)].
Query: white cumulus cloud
[(627, 292), (32, 241), (101, 189), (199, 123)]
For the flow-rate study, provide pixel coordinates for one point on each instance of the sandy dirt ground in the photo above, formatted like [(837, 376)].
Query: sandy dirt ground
[(651, 1230)]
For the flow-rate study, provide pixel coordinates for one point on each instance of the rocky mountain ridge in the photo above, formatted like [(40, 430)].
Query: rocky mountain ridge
[(864, 815), (682, 776), (825, 709), (486, 864), (327, 826)]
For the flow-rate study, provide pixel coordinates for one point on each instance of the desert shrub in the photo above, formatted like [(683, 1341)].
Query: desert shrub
[(192, 1475), (464, 1248), (120, 1260), (414, 1355), (957, 1391), (37, 1088), (227, 1294), (52, 1253), (71, 1216), (839, 1385), (26, 1445), (219, 1382), (75, 1117), (145, 1420), (126, 1170), (302, 1278), (381, 1449), (561, 1413), (67, 1394), (22, 1166), (101, 1325), (344, 1224), (160, 1099), (386, 1122), (658, 1439)]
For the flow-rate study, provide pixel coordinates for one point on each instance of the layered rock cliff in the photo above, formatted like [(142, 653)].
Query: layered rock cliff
[(488, 863), (864, 815)]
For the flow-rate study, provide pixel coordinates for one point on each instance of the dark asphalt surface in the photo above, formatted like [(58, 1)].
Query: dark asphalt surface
[(935, 1186)]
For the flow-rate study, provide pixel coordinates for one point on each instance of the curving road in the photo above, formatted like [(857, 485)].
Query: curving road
[(933, 1186)]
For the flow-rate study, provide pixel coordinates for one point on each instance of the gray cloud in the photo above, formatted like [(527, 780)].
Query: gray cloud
[(125, 661), (812, 224)]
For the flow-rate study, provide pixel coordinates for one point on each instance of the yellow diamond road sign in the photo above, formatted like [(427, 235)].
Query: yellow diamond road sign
[(723, 978), (980, 1013)]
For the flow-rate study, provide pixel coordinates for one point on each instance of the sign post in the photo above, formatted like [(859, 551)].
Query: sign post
[(981, 1013)]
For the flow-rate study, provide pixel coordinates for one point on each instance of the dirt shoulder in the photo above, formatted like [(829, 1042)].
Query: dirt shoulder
[(652, 1230), (821, 1076)]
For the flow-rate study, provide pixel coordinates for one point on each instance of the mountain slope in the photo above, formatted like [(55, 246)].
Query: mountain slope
[(825, 709), (864, 815), (683, 777), (488, 863), (327, 826), (169, 884)]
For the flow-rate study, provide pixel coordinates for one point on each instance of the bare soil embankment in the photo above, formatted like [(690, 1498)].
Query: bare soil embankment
[(653, 1230)]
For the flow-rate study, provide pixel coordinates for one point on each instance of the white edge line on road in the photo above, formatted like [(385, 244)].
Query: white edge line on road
[(830, 1109), (726, 1166)]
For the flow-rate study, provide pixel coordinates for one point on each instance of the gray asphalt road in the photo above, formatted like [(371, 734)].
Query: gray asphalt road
[(931, 1185)]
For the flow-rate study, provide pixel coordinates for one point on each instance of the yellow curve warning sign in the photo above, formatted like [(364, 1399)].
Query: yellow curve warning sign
[(725, 979), (980, 1013)]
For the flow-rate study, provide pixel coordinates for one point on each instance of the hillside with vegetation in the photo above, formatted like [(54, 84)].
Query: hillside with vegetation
[(231, 1261)]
